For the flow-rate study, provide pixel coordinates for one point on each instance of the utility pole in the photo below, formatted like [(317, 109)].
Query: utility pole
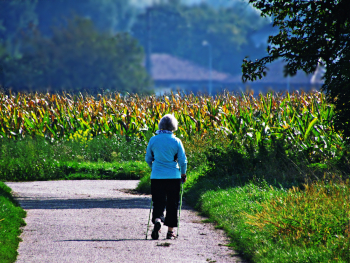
[(210, 84)]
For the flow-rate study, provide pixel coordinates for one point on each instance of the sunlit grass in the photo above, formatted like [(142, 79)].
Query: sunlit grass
[(98, 158), (270, 224), (11, 219), (131, 170)]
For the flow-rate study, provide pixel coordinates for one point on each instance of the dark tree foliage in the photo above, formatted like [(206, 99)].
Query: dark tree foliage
[(76, 57), (310, 33), (15, 17), (108, 15)]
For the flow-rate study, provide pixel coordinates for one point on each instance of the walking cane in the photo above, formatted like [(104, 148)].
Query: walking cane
[(178, 222), (149, 217)]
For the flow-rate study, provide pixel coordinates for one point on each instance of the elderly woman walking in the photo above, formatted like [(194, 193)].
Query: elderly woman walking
[(167, 159)]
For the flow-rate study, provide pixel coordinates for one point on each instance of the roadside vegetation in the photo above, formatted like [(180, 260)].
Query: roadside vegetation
[(275, 224), (269, 169), (37, 159), (11, 219)]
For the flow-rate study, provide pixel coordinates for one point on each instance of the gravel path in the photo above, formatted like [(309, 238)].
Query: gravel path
[(99, 221)]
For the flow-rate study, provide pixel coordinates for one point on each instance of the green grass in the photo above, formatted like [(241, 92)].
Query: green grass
[(11, 219), (268, 224), (100, 158), (74, 170), (106, 171)]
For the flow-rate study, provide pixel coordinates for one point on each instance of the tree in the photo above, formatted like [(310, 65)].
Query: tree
[(16, 16), (180, 30), (108, 15), (311, 33), (20, 16), (77, 57)]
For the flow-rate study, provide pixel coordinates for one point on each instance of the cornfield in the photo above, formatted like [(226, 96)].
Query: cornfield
[(301, 119)]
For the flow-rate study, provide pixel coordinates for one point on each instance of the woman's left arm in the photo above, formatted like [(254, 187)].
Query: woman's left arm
[(149, 155), (182, 159)]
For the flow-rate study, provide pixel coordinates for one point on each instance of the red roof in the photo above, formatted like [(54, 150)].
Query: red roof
[(167, 67)]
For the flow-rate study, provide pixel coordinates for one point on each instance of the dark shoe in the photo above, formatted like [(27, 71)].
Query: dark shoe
[(171, 235), (155, 232)]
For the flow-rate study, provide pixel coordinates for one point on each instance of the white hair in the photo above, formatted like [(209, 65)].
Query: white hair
[(168, 122)]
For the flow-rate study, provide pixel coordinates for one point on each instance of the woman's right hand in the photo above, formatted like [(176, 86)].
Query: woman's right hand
[(183, 178)]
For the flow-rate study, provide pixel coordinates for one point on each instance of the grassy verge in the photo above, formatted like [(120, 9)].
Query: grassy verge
[(75, 170), (11, 219), (268, 224), (104, 171), (99, 158)]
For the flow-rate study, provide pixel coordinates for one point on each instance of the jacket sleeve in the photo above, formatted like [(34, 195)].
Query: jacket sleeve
[(182, 159), (149, 155)]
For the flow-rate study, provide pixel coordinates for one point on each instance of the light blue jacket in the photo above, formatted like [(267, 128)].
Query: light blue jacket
[(160, 156)]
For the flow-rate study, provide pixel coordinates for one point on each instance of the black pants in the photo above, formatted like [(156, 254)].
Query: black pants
[(165, 195)]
